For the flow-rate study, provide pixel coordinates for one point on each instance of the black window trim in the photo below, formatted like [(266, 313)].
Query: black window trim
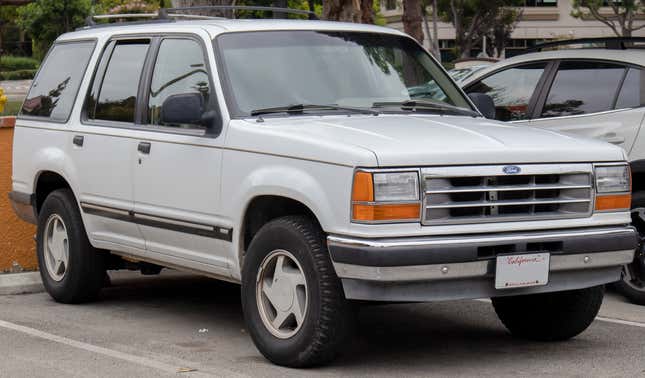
[(547, 87), (21, 116), (146, 77), (533, 101)]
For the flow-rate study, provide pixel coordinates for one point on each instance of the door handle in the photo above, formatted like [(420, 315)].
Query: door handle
[(78, 140), (144, 147)]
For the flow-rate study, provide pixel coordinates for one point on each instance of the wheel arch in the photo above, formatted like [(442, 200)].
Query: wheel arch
[(45, 182)]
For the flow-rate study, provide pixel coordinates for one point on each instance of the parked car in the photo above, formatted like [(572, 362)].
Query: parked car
[(287, 156), (461, 74), (590, 92)]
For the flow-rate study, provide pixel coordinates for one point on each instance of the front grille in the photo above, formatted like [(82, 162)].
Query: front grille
[(486, 194)]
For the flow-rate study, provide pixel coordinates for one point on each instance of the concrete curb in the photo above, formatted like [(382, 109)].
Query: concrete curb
[(21, 283)]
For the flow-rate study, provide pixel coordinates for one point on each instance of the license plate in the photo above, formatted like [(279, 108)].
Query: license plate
[(514, 271)]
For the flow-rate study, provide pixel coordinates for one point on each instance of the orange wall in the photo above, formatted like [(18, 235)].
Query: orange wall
[(17, 244)]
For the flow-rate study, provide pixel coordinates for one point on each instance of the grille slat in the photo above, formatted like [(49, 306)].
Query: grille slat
[(454, 195), (504, 203)]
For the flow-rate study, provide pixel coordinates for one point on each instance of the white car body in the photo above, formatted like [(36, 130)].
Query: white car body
[(620, 126), (195, 181)]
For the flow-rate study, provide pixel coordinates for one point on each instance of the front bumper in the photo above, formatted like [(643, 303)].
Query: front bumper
[(463, 267)]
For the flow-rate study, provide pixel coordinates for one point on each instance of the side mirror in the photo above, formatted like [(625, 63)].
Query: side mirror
[(184, 108), (484, 103)]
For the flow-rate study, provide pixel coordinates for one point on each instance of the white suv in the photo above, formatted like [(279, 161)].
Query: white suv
[(289, 157)]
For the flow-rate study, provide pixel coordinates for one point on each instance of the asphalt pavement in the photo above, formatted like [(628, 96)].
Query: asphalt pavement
[(184, 325)]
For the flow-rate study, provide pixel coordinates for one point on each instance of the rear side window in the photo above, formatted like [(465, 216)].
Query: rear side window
[(632, 94), (55, 87), (117, 96), (583, 87), (511, 90)]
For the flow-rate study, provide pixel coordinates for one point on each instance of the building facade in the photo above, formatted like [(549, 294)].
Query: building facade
[(541, 20)]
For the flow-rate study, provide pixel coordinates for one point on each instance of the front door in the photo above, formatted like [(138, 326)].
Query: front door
[(178, 165)]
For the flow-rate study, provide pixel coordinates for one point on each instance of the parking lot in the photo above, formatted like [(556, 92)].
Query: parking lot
[(176, 324)]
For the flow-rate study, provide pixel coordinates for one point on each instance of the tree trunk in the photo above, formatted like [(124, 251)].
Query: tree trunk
[(367, 12), (342, 10), (435, 31), (412, 19)]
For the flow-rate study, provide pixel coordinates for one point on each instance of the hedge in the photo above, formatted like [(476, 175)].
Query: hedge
[(18, 75), (17, 63)]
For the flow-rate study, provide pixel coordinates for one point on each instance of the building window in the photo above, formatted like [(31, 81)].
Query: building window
[(540, 3), (390, 4)]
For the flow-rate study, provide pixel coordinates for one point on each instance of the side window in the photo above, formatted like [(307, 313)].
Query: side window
[(117, 95), (583, 87), (54, 90), (632, 94), (180, 82), (511, 90)]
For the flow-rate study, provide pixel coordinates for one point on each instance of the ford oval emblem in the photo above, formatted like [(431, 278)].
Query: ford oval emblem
[(512, 169)]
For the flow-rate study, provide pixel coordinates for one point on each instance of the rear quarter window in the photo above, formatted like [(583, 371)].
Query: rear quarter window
[(54, 89)]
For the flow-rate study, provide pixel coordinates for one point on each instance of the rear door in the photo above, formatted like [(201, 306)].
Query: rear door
[(178, 164), (586, 98), (103, 151)]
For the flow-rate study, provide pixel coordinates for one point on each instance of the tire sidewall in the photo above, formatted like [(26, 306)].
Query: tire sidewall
[(266, 241), (62, 203)]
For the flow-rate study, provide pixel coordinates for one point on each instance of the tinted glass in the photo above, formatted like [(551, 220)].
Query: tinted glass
[(632, 94), (281, 68), (511, 90), (118, 94), (583, 87), (180, 68), (54, 89)]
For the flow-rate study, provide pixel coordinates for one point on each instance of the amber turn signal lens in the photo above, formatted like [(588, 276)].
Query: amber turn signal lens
[(614, 202), (363, 187), (385, 212)]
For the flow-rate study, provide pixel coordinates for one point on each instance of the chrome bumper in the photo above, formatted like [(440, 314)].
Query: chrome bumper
[(438, 268)]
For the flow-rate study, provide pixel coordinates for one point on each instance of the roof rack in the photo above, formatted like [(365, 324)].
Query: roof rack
[(611, 43), (171, 14)]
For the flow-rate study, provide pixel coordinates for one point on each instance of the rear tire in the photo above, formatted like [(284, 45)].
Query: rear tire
[(289, 255), (71, 269), (555, 316)]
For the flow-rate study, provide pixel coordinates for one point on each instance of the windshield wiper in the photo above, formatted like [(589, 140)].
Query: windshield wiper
[(301, 108), (414, 105)]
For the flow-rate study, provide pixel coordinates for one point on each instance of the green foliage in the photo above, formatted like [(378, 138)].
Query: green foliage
[(126, 6), (18, 75), (12, 107), (45, 20), (14, 63)]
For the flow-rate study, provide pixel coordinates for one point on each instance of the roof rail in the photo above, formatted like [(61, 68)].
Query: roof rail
[(612, 43), (170, 14)]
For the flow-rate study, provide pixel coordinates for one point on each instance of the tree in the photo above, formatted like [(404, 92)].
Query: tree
[(621, 21), (45, 20), (342, 10), (413, 19), (434, 37), (472, 19), (500, 33)]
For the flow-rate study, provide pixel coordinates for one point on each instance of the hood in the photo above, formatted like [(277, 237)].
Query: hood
[(423, 140)]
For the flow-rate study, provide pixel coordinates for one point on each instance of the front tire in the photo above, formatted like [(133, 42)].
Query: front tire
[(555, 316), (293, 302), (71, 269)]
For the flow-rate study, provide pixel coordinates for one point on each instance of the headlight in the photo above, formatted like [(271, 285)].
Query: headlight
[(613, 187), (386, 196), (612, 179), (402, 186)]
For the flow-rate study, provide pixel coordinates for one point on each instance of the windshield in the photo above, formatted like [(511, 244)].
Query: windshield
[(349, 69)]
